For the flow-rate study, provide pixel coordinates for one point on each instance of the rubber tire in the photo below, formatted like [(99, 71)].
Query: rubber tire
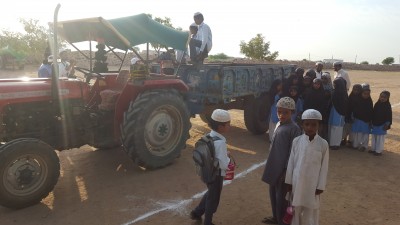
[(14, 149), (133, 127), (256, 114)]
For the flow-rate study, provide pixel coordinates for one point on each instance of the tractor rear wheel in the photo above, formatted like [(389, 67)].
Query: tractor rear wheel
[(256, 114), (29, 170), (155, 128)]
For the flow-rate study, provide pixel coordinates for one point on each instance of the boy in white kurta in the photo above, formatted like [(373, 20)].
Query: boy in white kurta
[(307, 170)]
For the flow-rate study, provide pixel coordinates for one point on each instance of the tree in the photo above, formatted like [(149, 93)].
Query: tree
[(33, 42), (256, 48), (388, 61), (364, 63), (218, 56)]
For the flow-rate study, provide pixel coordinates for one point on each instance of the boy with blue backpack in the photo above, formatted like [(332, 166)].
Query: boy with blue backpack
[(220, 124)]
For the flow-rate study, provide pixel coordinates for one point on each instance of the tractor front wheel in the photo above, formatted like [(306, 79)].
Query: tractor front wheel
[(29, 170)]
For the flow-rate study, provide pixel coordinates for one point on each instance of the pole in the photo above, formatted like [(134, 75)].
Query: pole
[(309, 58), (355, 61)]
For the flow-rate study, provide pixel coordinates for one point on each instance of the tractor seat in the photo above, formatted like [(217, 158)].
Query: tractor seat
[(110, 96)]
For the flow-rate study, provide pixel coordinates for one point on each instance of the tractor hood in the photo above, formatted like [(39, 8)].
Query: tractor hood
[(39, 89)]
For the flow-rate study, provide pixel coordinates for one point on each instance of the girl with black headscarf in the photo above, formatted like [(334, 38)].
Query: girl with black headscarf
[(362, 113), (381, 122), (337, 113), (316, 100)]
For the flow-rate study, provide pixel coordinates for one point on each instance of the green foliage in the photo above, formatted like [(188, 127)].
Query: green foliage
[(388, 61), (32, 43), (256, 48), (218, 56), (364, 63)]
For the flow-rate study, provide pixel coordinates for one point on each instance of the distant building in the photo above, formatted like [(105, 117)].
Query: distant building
[(331, 61)]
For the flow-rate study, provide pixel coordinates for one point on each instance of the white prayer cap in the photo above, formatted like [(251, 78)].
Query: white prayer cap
[(193, 25), (221, 115), (337, 63), (319, 63), (197, 14), (311, 114), (50, 59), (286, 103), (134, 60)]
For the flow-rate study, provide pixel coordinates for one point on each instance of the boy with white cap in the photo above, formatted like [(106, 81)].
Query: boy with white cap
[(219, 123), (275, 169), (65, 68), (307, 170)]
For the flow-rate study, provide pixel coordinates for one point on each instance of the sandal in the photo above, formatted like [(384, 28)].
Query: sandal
[(270, 220)]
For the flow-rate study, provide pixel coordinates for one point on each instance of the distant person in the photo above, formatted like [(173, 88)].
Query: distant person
[(45, 70), (307, 170), (318, 69), (220, 124), (299, 73), (276, 93), (166, 60), (362, 112), (275, 168), (65, 66), (339, 72), (381, 122), (204, 34), (337, 113), (326, 81), (194, 43)]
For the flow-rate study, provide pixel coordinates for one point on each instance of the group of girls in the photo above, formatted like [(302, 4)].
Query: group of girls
[(347, 119)]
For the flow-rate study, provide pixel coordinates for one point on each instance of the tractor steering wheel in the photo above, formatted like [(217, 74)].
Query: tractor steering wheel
[(88, 74)]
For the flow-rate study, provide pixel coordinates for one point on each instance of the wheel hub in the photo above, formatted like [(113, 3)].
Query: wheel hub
[(163, 130), (24, 175)]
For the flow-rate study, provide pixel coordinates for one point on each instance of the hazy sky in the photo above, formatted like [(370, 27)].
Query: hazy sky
[(362, 30)]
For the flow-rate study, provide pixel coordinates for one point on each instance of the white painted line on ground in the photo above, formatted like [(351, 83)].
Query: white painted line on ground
[(195, 196)]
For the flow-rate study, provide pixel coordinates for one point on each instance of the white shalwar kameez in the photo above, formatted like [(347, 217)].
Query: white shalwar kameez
[(307, 171)]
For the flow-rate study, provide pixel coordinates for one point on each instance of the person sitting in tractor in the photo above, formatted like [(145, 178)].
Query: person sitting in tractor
[(65, 66), (166, 61)]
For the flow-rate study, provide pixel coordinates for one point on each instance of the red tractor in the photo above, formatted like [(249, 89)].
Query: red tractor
[(145, 113)]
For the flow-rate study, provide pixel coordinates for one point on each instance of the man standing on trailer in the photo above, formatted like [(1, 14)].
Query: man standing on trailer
[(204, 34)]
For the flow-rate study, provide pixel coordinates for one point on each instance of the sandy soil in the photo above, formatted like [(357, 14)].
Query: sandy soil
[(104, 187)]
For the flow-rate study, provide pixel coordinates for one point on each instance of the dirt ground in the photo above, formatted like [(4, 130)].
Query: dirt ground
[(105, 188)]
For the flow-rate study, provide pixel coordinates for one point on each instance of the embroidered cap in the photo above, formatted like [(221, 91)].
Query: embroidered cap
[(319, 63), (50, 59), (197, 14), (337, 63), (221, 115), (311, 114), (286, 103)]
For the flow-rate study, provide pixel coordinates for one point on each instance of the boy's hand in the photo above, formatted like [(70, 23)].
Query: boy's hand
[(318, 192)]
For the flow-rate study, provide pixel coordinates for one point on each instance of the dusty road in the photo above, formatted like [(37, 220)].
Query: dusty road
[(105, 188)]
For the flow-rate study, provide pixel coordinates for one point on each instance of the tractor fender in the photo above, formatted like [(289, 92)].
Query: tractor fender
[(134, 88)]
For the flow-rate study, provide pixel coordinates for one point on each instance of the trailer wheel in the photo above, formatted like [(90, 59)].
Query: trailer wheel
[(256, 114), (155, 128), (29, 170)]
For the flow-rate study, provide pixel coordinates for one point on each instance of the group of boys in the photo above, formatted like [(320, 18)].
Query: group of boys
[(296, 169)]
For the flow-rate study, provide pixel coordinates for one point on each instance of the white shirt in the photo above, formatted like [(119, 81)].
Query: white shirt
[(307, 170), (343, 74), (319, 74), (221, 152), (62, 69), (204, 34)]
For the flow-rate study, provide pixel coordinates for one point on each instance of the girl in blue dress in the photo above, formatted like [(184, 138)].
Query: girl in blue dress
[(381, 122), (362, 113), (337, 113)]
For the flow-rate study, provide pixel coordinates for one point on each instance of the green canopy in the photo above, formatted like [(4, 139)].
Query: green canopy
[(123, 33)]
